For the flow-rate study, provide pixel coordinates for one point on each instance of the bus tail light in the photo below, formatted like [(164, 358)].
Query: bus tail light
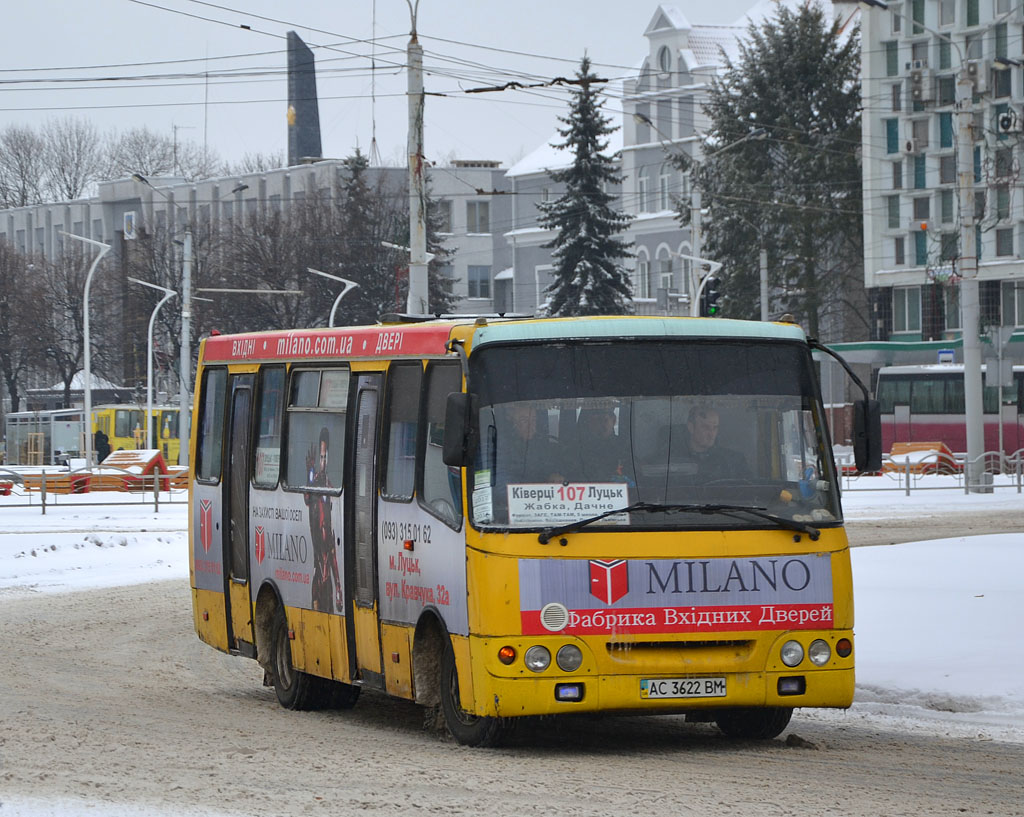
[(844, 647), (507, 655)]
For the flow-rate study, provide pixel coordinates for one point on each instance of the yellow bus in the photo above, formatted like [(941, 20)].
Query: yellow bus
[(56, 436), (125, 428), (508, 518)]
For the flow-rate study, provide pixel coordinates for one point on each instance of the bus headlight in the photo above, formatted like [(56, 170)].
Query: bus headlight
[(537, 658), (819, 652), (792, 653), (569, 657)]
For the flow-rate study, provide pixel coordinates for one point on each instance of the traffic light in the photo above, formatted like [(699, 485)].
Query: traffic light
[(709, 298)]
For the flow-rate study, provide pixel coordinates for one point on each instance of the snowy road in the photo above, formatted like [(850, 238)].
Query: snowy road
[(109, 713), (109, 704)]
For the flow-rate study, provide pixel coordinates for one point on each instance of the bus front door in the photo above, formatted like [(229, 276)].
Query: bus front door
[(236, 512), (361, 537)]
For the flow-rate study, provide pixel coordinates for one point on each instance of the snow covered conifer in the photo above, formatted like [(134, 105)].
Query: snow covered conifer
[(589, 277)]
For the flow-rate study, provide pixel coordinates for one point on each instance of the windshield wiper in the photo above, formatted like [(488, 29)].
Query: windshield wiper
[(548, 534)]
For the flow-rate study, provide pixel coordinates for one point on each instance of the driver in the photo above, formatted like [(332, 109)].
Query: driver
[(697, 450)]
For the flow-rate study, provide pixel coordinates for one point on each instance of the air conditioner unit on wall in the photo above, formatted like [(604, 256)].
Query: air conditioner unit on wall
[(922, 85), (1010, 121), (911, 146), (978, 71)]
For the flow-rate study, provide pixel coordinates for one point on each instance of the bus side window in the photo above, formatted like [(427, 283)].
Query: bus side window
[(316, 429), (401, 423), (441, 486), (210, 437), (268, 440)]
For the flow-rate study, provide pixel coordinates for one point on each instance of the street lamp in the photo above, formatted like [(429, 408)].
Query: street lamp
[(86, 358), (185, 372), (170, 293), (349, 285)]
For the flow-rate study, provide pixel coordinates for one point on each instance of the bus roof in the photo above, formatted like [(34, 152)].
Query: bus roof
[(633, 327), (932, 368), (431, 337)]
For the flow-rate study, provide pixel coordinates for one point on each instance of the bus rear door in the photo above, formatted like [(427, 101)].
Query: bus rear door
[(236, 512), (361, 535)]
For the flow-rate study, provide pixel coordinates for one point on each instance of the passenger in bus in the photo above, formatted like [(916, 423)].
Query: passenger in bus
[(525, 452), (694, 452), (325, 586), (604, 456)]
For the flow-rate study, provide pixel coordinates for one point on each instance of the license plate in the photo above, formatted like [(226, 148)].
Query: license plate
[(682, 688)]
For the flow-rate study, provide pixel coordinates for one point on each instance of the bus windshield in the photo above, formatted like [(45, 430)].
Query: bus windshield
[(570, 431)]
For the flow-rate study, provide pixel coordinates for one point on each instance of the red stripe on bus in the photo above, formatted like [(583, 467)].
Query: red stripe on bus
[(371, 341)]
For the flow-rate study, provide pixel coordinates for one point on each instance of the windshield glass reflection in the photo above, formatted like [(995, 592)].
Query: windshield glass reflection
[(550, 460)]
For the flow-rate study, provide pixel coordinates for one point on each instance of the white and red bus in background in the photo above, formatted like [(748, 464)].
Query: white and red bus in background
[(925, 403)]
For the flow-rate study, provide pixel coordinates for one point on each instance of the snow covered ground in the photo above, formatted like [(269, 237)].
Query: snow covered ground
[(938, 622)]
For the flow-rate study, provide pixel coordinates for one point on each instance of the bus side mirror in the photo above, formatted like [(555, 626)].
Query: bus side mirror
[(460, 429), (867, 436)]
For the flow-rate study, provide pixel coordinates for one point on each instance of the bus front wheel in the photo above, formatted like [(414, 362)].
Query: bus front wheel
[(467, 729), (755, 723)]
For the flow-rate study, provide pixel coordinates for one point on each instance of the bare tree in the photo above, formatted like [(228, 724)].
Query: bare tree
[(22, 166), (20, 322), (62, 318), (73, 157), (139, 150), (194, 162), (255, 163)]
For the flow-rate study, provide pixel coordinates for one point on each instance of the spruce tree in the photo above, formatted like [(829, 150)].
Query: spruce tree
[(589, 278), (796, 191)]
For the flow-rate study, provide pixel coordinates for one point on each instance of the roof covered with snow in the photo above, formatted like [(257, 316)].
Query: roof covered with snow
[(548, 157)]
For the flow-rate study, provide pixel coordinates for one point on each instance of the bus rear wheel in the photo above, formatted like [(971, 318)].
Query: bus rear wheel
[(295, 689), (467, 729), (754, 723)]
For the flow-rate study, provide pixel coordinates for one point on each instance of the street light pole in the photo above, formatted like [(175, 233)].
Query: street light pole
[(349, 285), (86, 342), (185, 367), (170, 293)]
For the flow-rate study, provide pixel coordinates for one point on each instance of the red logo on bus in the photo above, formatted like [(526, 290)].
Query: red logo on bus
[(261, 544), (206, 523), (609, 581)]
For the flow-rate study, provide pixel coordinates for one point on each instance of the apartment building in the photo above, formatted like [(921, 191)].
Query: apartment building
[(913, 53)]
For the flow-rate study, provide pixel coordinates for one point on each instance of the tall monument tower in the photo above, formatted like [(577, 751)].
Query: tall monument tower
[(303, 109)]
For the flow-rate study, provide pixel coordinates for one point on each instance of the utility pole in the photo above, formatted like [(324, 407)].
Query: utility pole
[(417, 302), (185, 410), (969, 300)]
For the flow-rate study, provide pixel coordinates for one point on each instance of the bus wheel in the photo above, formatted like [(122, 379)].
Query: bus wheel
[(469, 730), (341, 696), (295, 689), (760, 723)]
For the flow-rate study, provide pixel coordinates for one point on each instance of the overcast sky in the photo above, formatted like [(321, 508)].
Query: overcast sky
[(149, 45)]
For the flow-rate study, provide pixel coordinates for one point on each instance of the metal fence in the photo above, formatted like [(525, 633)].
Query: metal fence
[(53, 487), (918, 473)]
